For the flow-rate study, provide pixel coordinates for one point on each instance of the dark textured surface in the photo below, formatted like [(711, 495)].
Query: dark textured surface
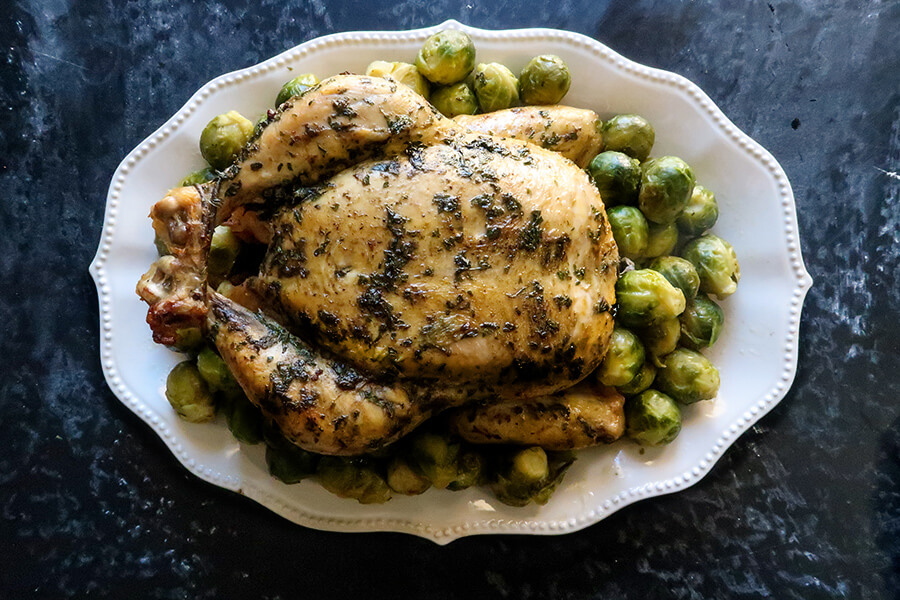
[(805, 505)]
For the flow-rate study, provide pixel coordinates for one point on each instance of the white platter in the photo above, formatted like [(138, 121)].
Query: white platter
[(757, 354)]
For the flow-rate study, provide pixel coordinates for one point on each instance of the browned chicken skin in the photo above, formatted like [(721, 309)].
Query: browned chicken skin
[(438, 265)]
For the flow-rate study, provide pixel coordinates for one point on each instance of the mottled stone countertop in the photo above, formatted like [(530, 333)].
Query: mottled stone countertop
[(805, 505)]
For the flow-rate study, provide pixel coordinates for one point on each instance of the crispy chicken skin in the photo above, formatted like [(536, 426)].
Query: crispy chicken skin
[(436, 264)]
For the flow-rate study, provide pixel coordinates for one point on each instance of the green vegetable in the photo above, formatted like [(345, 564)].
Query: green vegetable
[(661, 338), (436, 456), (679, 273), (188, 339), (223, 251), (215, 372), (188, 393), (544, 80), (661, 240), (495, 87), (716, 264), (400, 72), (295, 87), (287, 461), (161, 248), (701, 323), (197, 177), (701, 212), (404, 479), (641, 381), (245, 421), (629, 229), (223, 138), (688, 376), (617, 177), (470, 470), (446, 57), (529, 475), (645, 297), (353, 478), (623, 360), (457, 99), (666, 186), (652, 418), (629, 134)]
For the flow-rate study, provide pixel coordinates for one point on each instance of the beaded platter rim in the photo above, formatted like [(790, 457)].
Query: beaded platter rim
[(472, 526)]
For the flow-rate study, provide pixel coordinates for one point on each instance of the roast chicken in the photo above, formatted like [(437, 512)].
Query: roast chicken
[(414, 265)]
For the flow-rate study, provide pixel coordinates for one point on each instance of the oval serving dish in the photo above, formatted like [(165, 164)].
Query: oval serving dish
[(756, 355)]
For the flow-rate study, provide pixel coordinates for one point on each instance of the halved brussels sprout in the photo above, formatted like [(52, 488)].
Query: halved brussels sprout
[(617, 177), (630, 134), (544, 80), (286, 461), (436, 456), (645, 297), (701, 323), (661, 338), (354, 478), (295, 87), (495, 87), (405, 479), (446, 57), (679, 272), (223, 250), (457, 99), (470, 469), (642, 381), (529, 475), (701, 212), (629, 229), (661, 240), (688, 376), (223, 138), (188, 393), (652, 418), (244, 419), (716, 264), (666, 186), (400, 72), (215, 372), (198, 177), (623, 360)]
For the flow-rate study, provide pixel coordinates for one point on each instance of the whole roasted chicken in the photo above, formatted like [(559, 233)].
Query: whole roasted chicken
[(414, 264)]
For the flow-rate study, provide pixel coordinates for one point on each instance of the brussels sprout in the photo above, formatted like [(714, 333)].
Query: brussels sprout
[(544, 80), (400, 72), (455, 100), (188, 393), (215, 372), (645, 297), (404, 479), (666, 185), (679, 273), (244, 420), (353, 478), (661, 338), (446, 57), (642, 381), (623, 360), (223, 138), (436, 457), (223, 250), (469, 471), (701, 212), (188, 339), (716, 264), (652, 418), (197, 177), (688, 376), (629, 229), (701, 323), (617, 177), (630, 134), (661, 240), (495, 87), (529, 475), (295, 87), (290, 464)]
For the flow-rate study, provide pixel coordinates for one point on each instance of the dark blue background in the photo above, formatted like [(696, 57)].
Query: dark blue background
[(805, 505)]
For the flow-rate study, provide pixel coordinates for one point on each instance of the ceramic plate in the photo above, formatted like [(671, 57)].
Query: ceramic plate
[(756, 355)]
